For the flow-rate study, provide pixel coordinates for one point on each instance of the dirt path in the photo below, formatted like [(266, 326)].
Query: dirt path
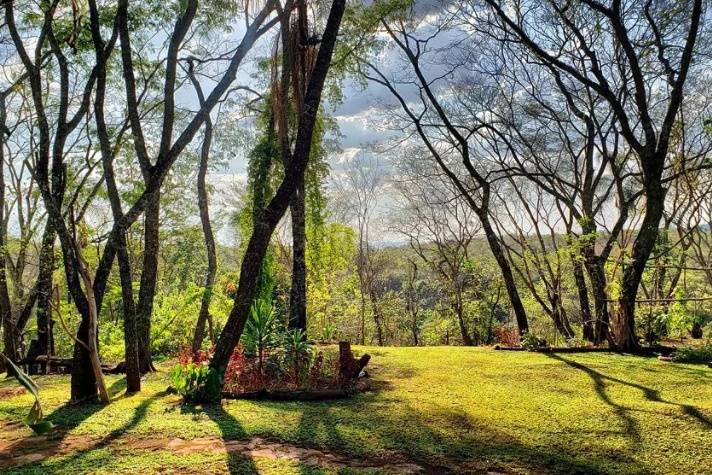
[(20, 451)]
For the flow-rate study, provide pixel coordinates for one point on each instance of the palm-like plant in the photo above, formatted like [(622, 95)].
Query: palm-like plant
[(261, 330), (296, 348), (35, 419)]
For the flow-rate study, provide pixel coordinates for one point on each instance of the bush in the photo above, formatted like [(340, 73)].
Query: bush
[(283, 369), (196, 382), (694, 354), (328, 333), (577, 342), (531, 342), (507, 335)]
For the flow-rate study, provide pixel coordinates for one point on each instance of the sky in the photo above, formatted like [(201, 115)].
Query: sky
[(357, 115)]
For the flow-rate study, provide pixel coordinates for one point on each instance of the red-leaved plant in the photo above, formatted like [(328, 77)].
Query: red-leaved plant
[(281, 371), (507, 335)]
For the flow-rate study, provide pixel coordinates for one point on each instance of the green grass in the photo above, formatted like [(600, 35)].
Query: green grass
[(465, 409)]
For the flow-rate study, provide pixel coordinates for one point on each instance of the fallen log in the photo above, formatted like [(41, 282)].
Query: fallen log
[(645, 351), (267, 395), (59, 365)]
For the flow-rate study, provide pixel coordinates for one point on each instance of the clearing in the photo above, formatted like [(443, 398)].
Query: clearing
[(431, 410)]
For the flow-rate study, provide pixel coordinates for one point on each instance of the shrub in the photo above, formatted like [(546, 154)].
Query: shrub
[(186, 356), (694, 354), (532, 342), (507, 335), (261, 331), (242, 374), (279, 372), (196, 382), (328, 333), (577, 342)]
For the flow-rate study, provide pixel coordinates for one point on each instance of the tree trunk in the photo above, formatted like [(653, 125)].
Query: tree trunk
[(560, 321), (506, 271), (584, 302), (131, 341), (377, 316), (149, 276), (10, 349), (362, 317), (10, 339), (623, 327), (92, 328), (83, 381), (460, 314), (45, 338), (597, 276), (273, 213), (204, 313), (298, 293)]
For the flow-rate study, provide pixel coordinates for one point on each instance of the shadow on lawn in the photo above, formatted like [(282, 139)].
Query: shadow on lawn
[(379, 425), (66, 418), (230, 429), (440, 439), (599, 380)]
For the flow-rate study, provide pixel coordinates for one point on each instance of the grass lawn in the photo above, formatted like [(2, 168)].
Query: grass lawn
[(440, 410)]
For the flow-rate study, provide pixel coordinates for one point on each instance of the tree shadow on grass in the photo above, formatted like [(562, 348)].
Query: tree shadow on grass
[(67, 417), (230, 429), (376, 429), (599, 380)]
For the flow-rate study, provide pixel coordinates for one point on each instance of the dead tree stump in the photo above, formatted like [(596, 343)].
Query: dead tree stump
[(350, 367)]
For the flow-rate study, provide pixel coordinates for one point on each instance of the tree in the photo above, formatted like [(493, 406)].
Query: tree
[(18, 296), (440, 227), (565, 142), (364, 176), (456, 147), (621, 62), (273, 212), (203, 196), (529, 234), (53, 146)]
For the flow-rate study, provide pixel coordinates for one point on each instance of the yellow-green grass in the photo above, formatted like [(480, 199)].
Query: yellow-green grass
[(460, 409)]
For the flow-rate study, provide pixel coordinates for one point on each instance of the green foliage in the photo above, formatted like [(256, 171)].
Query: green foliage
[(653, 323), (196, 382), (330, 255), (577, 342), (174, 316), (34, 419), (295, 344), (261, 331), (679, 319), (694, 354), (531, 342), (328, 332)]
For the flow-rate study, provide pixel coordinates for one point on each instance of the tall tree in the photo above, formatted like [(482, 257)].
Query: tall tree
[(204, 316), (440, 227), (621, 62), (293, 177), (364, 178), (436, 123)]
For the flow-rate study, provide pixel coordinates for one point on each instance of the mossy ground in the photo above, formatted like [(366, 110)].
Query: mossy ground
[(466, 410)]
